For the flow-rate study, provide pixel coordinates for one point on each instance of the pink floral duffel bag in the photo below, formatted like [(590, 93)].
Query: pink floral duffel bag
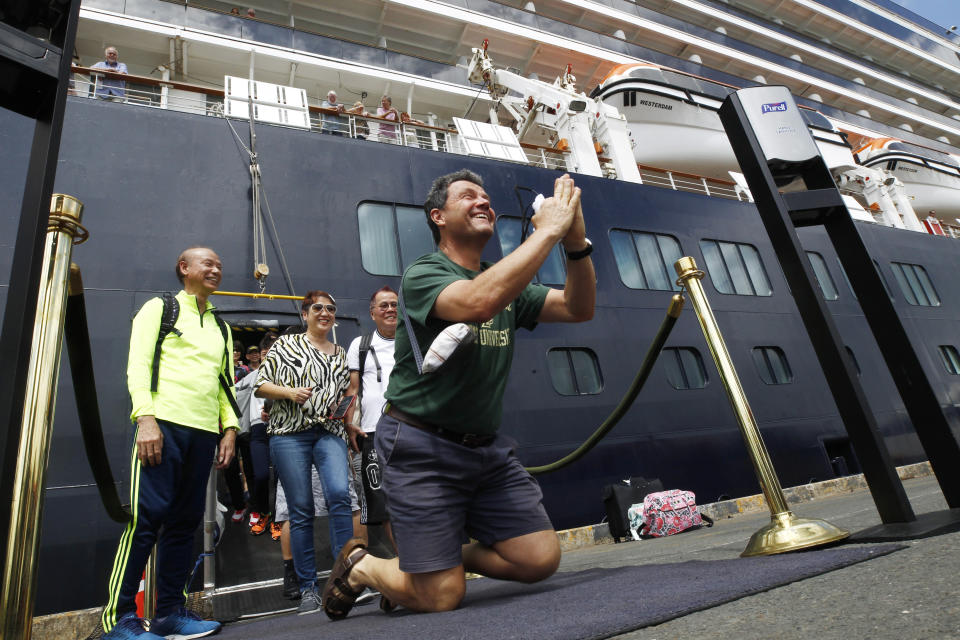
[(668, 512)]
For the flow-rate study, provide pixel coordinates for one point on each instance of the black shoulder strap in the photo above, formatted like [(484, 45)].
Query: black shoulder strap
[(411, 334), (364, 350), (226, 381), (171, 311)]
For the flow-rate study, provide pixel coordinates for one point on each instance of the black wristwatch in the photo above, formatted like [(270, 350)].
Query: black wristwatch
[(583, 253)]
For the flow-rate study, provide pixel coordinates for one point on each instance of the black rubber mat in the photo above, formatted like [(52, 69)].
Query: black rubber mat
[(596, 603)]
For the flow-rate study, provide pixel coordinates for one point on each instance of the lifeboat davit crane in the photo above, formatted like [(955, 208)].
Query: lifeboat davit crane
[(583, 126)]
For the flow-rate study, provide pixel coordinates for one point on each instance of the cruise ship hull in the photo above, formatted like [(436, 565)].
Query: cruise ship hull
[(189, 184)]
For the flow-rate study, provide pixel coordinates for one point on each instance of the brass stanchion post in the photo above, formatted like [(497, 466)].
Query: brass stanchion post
[(786, 532), (23, 541)]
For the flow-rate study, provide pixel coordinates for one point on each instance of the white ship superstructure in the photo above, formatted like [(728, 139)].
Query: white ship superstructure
[(873, 69)]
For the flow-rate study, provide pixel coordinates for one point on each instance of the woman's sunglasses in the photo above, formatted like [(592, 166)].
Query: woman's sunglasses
[(317, 307)]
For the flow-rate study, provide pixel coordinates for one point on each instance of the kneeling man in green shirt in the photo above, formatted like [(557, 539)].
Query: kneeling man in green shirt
[(449, 476)]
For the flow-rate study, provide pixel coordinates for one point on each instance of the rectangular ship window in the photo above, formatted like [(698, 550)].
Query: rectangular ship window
[(915, 284), (684, 367), (553, 270), (645, 260), (950, 358), (391, 237), (574, 371), (772, 365), (735, 268), (827, 286)]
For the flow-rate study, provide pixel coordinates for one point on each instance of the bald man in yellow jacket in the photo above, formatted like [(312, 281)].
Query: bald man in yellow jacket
[(179, 421)]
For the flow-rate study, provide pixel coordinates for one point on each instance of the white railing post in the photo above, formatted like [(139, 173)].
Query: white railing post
[(165, 89), (706, 187)]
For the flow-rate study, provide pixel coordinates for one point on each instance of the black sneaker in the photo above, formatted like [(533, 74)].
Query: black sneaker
[(309, 601), (291, 585)]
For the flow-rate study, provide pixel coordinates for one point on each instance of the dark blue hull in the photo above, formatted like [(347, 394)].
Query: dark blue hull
[(154, 182)]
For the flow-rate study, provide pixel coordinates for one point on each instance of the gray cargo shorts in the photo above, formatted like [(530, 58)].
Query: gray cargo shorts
[(440, 492)]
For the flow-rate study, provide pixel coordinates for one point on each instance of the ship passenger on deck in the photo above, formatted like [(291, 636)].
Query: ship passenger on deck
[(333, 124), (111, 88), (362, 129), (447, 472), (387, 132)]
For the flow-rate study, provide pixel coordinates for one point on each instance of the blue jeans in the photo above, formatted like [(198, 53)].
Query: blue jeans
[(292, 456)]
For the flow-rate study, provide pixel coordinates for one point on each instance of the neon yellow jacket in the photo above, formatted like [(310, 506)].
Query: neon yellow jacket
[(188, 389)]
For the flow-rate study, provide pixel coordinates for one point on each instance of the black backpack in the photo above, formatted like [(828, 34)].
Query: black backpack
[(171, 311)]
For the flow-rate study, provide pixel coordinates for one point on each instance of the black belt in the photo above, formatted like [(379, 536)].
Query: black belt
[(471, 440)]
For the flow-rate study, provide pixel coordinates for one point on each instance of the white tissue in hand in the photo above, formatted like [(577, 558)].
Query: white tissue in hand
[(537, 202), (444, 345)]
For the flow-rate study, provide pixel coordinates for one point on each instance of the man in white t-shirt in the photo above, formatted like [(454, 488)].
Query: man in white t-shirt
[(369, 380)]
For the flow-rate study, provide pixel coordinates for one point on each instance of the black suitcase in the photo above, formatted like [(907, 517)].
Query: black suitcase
[(617, 498)]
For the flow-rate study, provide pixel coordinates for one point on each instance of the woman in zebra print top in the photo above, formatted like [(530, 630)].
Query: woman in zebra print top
[(306, 374)]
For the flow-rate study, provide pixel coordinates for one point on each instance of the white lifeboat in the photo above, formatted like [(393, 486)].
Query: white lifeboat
[(673, 119), (931, 178)]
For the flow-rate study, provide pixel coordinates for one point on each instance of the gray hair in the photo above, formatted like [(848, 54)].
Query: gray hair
[(437, 198)]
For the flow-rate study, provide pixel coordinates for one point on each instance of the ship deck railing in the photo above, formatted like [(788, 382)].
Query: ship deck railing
[(680, 181), (185, 97)]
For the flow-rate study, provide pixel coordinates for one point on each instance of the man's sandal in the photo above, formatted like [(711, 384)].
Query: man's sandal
[(338, 597)]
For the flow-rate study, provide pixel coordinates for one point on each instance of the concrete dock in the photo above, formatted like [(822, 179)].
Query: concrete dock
[(910, 594), (907, 595)]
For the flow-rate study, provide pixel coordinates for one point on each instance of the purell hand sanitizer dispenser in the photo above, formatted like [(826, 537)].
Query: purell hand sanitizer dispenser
[(781, 132), (792, 187)]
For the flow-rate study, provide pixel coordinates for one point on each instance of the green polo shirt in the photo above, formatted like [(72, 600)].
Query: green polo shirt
[(466, 393), (188, 390)]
